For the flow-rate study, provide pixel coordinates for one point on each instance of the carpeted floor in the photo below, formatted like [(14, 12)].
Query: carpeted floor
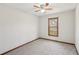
[(44, 47)]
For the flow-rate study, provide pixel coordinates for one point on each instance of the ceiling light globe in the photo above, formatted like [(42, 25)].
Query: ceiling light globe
[(42, 10)]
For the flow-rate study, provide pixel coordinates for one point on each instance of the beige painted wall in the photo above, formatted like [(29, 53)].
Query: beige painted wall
[(16, 28), (66, 26), (77, 28)]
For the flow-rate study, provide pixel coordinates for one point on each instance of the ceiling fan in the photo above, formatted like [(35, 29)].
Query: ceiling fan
[(42, 7)]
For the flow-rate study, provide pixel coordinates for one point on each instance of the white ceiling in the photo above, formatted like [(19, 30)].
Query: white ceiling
[(28, 7)]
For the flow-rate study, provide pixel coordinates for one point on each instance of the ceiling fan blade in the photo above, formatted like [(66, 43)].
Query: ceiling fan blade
[(37, 10), (48, 8), (36, 6)]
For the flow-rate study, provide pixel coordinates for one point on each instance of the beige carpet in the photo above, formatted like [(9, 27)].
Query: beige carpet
[(44, 47)]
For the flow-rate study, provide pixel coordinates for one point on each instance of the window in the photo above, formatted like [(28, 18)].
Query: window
[(53, 26)]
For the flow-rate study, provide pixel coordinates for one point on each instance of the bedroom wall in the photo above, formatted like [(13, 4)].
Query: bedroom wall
[(77, 28), (66, 26), (16, 28)]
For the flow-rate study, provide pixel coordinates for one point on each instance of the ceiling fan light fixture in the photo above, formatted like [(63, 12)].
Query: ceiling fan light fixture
[(42, 11), (43, 7)]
